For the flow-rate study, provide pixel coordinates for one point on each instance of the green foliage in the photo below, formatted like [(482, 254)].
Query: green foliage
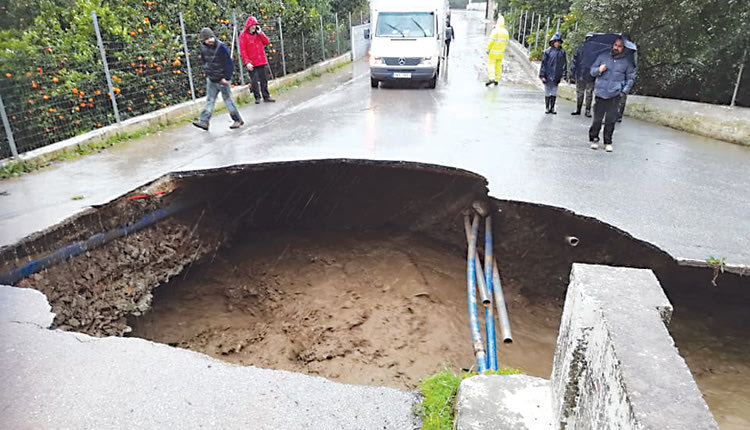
[(689, 51), (686, 50), (439, 396), (718, 265)]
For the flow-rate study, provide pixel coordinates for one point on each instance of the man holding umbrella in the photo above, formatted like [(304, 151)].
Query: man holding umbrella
[(615, 75)]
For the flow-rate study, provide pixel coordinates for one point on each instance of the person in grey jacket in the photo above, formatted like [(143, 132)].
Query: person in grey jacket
[(615, 75)]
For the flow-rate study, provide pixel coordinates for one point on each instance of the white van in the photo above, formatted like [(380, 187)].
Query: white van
[(408, 39)]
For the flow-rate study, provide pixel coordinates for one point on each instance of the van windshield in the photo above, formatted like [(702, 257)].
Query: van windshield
[(405, 24)]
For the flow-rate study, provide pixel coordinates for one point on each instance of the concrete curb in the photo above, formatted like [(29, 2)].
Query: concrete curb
[(730, 124), (168, 116)]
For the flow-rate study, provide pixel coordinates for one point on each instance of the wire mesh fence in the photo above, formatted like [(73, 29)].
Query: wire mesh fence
[(50, 96)]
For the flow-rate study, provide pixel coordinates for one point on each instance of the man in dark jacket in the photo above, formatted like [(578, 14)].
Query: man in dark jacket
[(218, 67), (554, 68), (579, 74), (615, 75)]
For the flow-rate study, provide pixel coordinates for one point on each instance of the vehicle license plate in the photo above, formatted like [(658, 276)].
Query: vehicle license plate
[(402, 75)]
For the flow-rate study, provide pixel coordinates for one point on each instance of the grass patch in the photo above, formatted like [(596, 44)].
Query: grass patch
[(439, 397)]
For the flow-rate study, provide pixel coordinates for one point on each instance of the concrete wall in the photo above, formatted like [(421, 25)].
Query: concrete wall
[(616, 365), (730, 124), (170, 115)]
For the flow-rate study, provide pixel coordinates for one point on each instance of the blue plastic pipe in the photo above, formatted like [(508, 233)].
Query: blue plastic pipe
[(489, 314), (484, 294), (80, 247), (471, 294)]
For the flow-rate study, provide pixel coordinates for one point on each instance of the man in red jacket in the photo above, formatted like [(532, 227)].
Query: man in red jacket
[(252, 49)]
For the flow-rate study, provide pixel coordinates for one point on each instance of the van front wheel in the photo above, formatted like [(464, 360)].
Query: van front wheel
[(374, 82), (432, 83)]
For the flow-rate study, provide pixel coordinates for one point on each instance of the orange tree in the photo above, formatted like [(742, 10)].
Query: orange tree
[(51, 73)]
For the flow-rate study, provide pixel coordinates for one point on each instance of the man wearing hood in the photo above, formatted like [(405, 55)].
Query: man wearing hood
[(554, 68), (615, 76), (496, 51), (253, 51), (217, 65), (579, 74)]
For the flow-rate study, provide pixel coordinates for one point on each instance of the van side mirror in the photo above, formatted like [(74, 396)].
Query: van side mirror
[(367, 33)]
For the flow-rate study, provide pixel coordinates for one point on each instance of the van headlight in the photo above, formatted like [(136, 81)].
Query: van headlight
[(376, 61), (428, 61)]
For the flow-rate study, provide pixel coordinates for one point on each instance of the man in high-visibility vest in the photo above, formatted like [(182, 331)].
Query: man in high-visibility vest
[(496, 50)]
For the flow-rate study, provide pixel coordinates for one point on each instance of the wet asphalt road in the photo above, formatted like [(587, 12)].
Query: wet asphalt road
[(686, 194)]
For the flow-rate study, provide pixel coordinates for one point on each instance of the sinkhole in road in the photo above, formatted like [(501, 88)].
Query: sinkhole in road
[(355, 270)]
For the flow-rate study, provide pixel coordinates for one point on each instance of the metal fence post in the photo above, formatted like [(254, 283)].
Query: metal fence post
[(8, 131), (546, 31), (322, 38), (520, 21), (361, 19), (106, 66), (304, 53), (557, 30), (739, 77), (187, 57), (351, 37), (531, 28), (536, 35), (338, 45), (523, 33), (283, 57), (235, 37)]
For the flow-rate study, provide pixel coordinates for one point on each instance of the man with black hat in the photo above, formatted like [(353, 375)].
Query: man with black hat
[(579, 74), (217, 64), (615, 75)]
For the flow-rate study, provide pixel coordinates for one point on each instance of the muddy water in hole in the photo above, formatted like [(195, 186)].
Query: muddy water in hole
[(384, 309)]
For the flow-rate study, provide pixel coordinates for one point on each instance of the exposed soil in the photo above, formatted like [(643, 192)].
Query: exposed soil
[(356, 271), (381, 307)]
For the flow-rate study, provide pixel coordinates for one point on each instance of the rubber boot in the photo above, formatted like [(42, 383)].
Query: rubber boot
[(546, 104), (552, 100)]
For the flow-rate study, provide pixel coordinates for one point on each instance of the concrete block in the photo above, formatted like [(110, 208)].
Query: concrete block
[(503, 402), (616, 365)]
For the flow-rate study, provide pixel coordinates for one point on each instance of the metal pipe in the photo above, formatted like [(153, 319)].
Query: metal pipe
[(338, 45), (502, 312), (106, 66), (739, 78), (489, 314), (484, 293), (8, 130), (572, 240), (538, 27), (80, 247), (322, 39), (283, 55), (471, 294)]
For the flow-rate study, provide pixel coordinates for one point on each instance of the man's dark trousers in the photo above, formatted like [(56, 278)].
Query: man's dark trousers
[(606, 109), (259, 75)]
